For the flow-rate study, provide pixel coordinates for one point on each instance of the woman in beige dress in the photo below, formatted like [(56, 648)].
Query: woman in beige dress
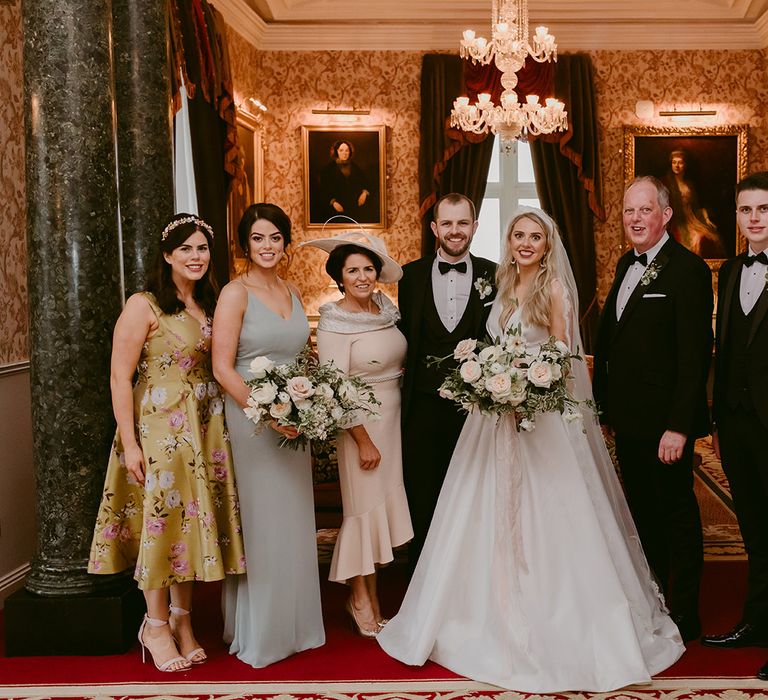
[(359, 334)]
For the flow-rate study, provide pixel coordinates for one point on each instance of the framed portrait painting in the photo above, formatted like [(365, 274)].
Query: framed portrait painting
[(700, 166), (344, 176)]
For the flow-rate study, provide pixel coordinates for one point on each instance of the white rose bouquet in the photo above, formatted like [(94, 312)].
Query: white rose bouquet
[(503, 377), (316, 399)]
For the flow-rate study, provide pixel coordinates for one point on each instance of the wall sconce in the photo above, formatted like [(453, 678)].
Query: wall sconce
[(685, 114), (343, 115), (253, 106)]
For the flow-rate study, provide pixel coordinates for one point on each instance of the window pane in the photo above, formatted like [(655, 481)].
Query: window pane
[(524, 163), (530, 203), (493, 170), (486, 240)]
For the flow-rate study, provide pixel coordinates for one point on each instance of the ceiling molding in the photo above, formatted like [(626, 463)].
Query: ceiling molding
[(761, 28), (247, 23)]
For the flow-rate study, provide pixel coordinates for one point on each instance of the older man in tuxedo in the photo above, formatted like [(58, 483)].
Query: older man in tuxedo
[(652, 358), (444, 297), (740, 403)]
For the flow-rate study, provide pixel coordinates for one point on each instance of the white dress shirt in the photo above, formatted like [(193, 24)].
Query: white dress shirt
[(752, 282), (451, 291), (633, 275)]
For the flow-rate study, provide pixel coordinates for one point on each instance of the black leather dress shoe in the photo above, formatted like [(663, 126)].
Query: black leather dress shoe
[(689, 626), (743, 635), (762, 674)]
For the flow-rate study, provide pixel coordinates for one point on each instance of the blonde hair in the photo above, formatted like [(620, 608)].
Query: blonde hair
[(537, 307)]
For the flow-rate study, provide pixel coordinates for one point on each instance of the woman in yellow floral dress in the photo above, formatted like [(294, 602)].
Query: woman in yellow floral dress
[(169, 506)]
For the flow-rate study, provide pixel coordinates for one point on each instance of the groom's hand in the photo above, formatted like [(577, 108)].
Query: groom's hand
[(671, 446)]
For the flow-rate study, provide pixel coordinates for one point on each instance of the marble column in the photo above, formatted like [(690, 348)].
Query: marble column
[(74, 280), (144, 131)]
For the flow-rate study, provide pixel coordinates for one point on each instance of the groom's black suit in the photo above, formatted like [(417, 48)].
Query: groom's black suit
[(431, 425), (650, 376), (740, 408)]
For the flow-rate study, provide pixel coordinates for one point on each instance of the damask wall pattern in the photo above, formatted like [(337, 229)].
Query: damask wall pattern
[(291, 85), (14, 327), (733, 82)]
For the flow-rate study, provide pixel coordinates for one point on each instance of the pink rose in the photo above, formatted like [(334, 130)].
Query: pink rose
[(95, 566), (110, 532), (192, 509), (180, 566), (208, 519), (299, 388), (465, 349), (219, 455), (176, 419), (220, 472), (125, 534), (178, 548), (156, 526), (186, 362)]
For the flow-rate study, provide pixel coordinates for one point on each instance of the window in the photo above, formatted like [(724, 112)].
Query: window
[(511, 182)]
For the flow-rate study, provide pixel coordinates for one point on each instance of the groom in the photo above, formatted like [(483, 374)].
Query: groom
[(653, 352), (444, 298)]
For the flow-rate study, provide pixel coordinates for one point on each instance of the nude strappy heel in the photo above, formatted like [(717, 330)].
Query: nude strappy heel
[(166, 666), (194, 656)]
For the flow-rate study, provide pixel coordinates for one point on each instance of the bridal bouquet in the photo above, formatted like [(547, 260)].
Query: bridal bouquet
[(316, 399), (504, 377)]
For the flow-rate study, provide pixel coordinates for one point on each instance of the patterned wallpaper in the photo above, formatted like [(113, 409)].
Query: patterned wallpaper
[(733, 82), (13, 247), (291, 84)]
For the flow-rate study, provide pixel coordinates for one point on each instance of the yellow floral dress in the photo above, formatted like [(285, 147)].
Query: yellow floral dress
[(184, 523)]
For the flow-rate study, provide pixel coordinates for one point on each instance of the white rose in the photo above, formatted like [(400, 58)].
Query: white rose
[(213, 389), (324, 390), (540, 374), (557, 372), (280, 410), (465, 349), (299, 388), (303, 404), (527, 425), (445, 393), (263, 394), (158, 395), (337, 413), (562, 347), (500, 385), (200, 391), (470, 371), (216, 407), (492, 352), (497, 368), (260, 366)]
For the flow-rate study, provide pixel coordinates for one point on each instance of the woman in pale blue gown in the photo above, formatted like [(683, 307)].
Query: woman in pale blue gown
[(273, 611), (532, 576)]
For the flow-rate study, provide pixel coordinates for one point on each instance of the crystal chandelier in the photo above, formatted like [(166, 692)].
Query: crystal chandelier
[(509, 47)]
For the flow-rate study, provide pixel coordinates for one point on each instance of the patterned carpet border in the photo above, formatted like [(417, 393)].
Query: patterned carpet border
[(735, 688)]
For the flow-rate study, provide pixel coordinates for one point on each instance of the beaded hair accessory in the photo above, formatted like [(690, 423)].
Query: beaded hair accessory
[(181, 222)]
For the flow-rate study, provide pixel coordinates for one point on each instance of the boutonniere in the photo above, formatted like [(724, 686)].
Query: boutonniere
[(483, 285), (650, 274)]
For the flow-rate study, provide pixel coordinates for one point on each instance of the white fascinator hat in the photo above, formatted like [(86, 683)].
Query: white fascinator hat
[(390, 270)]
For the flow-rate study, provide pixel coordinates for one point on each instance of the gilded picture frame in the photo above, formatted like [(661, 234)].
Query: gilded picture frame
[(249, 187), (345, 175), (700, 166)]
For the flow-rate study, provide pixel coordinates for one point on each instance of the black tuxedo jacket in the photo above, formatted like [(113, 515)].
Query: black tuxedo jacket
[(412, 291), (651, 366), (757, 345)]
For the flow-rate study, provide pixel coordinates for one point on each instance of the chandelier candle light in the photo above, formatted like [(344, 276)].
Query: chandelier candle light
[(509, 48)]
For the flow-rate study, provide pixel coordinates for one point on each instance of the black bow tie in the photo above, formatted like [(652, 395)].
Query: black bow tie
[(444, 267), (642, 259), (760, 257)]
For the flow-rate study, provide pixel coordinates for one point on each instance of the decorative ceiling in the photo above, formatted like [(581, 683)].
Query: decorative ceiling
[(296, 25)]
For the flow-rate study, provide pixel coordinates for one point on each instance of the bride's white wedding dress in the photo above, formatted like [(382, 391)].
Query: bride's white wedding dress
[(532, 577)]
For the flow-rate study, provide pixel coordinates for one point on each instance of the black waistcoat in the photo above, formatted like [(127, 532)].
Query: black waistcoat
[(735, 365), (436, 341)]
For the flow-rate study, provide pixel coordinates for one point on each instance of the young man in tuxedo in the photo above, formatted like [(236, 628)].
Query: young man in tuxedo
[(444, 298), (652, 358), (740, 403)]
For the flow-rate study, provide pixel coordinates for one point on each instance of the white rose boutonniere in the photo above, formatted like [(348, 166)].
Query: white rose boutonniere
[(650, 274), (483, 286)]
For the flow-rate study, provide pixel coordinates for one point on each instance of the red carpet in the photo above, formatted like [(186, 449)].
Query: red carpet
[(347, 657)]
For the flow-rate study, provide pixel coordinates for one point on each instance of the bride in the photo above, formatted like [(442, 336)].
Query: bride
[(532, 576)]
